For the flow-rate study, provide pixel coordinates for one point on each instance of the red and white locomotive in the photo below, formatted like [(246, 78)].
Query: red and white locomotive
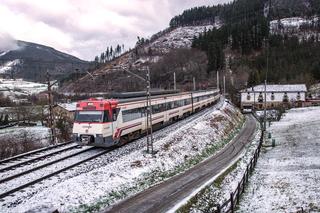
[(106, 123)]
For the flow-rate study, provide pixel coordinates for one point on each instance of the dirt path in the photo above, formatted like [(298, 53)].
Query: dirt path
[(164, 196)]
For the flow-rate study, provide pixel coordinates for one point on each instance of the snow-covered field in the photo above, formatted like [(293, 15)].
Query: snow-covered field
[(21, 87), (287, 177), (128, 170), (38, 133)]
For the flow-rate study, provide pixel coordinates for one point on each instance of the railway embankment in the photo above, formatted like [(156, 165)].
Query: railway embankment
[(180, 150), (126, 171), (226, 182)]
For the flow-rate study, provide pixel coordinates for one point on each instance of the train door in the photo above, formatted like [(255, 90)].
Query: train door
[(114, 119)]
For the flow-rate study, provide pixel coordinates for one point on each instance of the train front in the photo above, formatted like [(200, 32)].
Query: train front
[(94, 123)]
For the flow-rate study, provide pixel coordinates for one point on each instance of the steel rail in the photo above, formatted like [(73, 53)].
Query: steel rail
[(52, 174), (36, 159), (43, 165), (33, 152)]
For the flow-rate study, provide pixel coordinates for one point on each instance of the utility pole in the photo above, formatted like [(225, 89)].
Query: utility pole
[(148, 107), (194, 83), (265, 106), (266, 77), (149, 116), (224, 86), (51, 118), (217, 79), (174, 81), (254, 98)]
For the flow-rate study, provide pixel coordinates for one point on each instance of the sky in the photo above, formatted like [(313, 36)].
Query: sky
[(86, 28)]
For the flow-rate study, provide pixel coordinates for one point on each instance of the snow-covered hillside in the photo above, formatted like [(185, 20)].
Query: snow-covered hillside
[(296, 26), (180, 37), (9, 65)]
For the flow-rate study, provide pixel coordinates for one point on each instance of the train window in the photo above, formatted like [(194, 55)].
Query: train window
[(187, 101), (162, 107), (131, 114), (170, 105), (89, 116), (115, 113), (176, 104), (106, 116), (155, 109)]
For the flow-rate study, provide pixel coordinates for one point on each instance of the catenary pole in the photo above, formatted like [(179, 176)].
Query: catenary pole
[(51, 121), (174, 81)]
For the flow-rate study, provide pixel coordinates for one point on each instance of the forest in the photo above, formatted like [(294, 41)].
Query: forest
[(246, 34)]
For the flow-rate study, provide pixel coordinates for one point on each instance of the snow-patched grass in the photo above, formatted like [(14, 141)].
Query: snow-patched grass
[(219, 191), (286, 177), (129, 169)]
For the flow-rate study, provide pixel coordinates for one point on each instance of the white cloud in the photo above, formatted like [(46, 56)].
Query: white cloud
[(85, 28)]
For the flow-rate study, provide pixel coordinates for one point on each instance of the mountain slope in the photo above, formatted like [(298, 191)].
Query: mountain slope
[(32, 61), (233, 37)]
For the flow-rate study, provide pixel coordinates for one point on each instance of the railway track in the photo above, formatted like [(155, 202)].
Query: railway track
[(28, 154), (10, 167), (45, 176), (14, 190)]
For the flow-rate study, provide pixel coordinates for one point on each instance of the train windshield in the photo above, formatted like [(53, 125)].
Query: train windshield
[(92, 116)]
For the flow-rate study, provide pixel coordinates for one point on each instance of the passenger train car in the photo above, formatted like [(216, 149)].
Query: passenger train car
[(106, 123)]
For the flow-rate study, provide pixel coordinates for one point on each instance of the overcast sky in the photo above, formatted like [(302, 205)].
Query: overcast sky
[(85, 28)]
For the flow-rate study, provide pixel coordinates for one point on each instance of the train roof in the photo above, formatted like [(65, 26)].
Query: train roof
[(127, 100), (136, 99)]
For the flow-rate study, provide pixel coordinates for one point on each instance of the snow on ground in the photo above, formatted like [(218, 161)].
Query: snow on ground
[(22, 86), (8, 65), (3, 53), (294, 26), (129, 169), (292, 22), (180, 37), (36, 133), (315, 90), (287, 177)]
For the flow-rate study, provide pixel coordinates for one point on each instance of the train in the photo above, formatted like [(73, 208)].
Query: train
[(114, 122)]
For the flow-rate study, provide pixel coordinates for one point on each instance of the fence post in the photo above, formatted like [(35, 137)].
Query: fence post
[(218, 208), (243, 181), (232, 203), (256, 157), (238, 193), (251, 165), (247, 176)]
